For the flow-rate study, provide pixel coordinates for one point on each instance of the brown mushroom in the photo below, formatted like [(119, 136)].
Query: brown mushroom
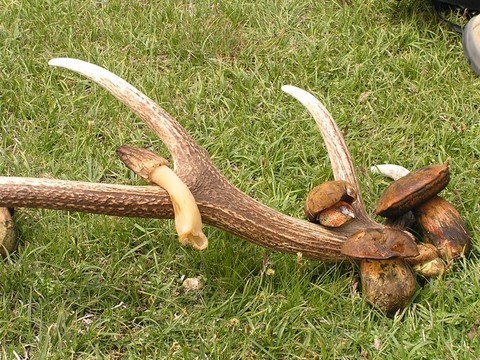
[(329, 203), (407, 192), (388, 285), (387, 280), (402, 222), (437, 220), (8, 241), (428, 262), (442, 225)]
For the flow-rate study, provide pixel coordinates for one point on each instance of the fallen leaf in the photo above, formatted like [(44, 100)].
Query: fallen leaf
[(270, 272), (192, 284), (473, 333), (363, 97)]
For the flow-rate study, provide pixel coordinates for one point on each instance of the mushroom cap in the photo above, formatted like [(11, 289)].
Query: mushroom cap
[(426, 253), (326, 195), (413, 189), (337, 215), (380, 244), (8, 240)]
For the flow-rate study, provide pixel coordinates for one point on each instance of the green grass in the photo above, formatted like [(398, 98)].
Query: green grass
[(87, 286)]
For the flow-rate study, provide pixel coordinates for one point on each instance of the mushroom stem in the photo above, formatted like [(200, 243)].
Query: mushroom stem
[(154, 169), (188, 222), (387, 284)]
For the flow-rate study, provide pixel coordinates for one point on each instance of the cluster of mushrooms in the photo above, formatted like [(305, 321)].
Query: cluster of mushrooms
[(410, 204)]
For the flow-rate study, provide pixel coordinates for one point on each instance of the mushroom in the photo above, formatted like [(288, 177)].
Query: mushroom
[(437, 219), (8, 241), (402, 222), (428, 262), (387, 280), (154, 169), (410, 190), (329, 203), (442, 225)]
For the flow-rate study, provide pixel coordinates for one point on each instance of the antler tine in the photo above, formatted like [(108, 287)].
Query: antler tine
[(162, 123), (338, 153)]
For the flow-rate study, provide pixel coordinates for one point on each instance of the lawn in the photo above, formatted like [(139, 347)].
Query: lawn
[(85, 286)]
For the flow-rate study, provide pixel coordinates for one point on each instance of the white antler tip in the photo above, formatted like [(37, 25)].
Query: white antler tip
[(287, 88), (294, 91), (63, 62), (392, 171), (82, 67)]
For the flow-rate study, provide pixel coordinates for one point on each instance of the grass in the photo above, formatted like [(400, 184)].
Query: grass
[(87, 286)]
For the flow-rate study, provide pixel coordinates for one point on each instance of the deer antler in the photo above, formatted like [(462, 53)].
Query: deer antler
[(220, 203)]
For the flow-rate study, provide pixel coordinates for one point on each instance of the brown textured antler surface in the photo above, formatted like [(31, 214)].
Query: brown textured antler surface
[(221, 204)]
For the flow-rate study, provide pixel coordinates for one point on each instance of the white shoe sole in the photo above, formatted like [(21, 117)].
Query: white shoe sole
[(471, 43)]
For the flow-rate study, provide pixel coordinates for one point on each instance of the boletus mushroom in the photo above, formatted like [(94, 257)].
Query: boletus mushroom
[(437, 220), (442, 225), (8, 241), (415, 188), (329, 203), (387, 280), (428, 262)]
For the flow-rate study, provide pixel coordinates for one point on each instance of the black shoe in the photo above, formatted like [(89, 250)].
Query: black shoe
[(471, 43)]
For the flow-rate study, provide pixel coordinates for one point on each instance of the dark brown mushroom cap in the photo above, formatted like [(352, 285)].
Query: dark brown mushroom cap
[(326, 195), (413, 189), (378, 244)]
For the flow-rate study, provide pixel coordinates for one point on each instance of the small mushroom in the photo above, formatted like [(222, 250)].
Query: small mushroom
[(408, 191), (329, 203), (428, 262), (336, 215), (387, 280), (8, 241), (154, 169)]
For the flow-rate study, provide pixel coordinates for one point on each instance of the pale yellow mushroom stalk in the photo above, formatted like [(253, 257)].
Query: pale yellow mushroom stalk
[(154, 169)]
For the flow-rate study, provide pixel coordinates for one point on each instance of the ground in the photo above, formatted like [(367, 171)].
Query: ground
[(88, 286)]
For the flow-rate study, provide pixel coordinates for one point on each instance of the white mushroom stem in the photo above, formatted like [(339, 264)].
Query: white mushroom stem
[(392, 171), (154, 169)]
